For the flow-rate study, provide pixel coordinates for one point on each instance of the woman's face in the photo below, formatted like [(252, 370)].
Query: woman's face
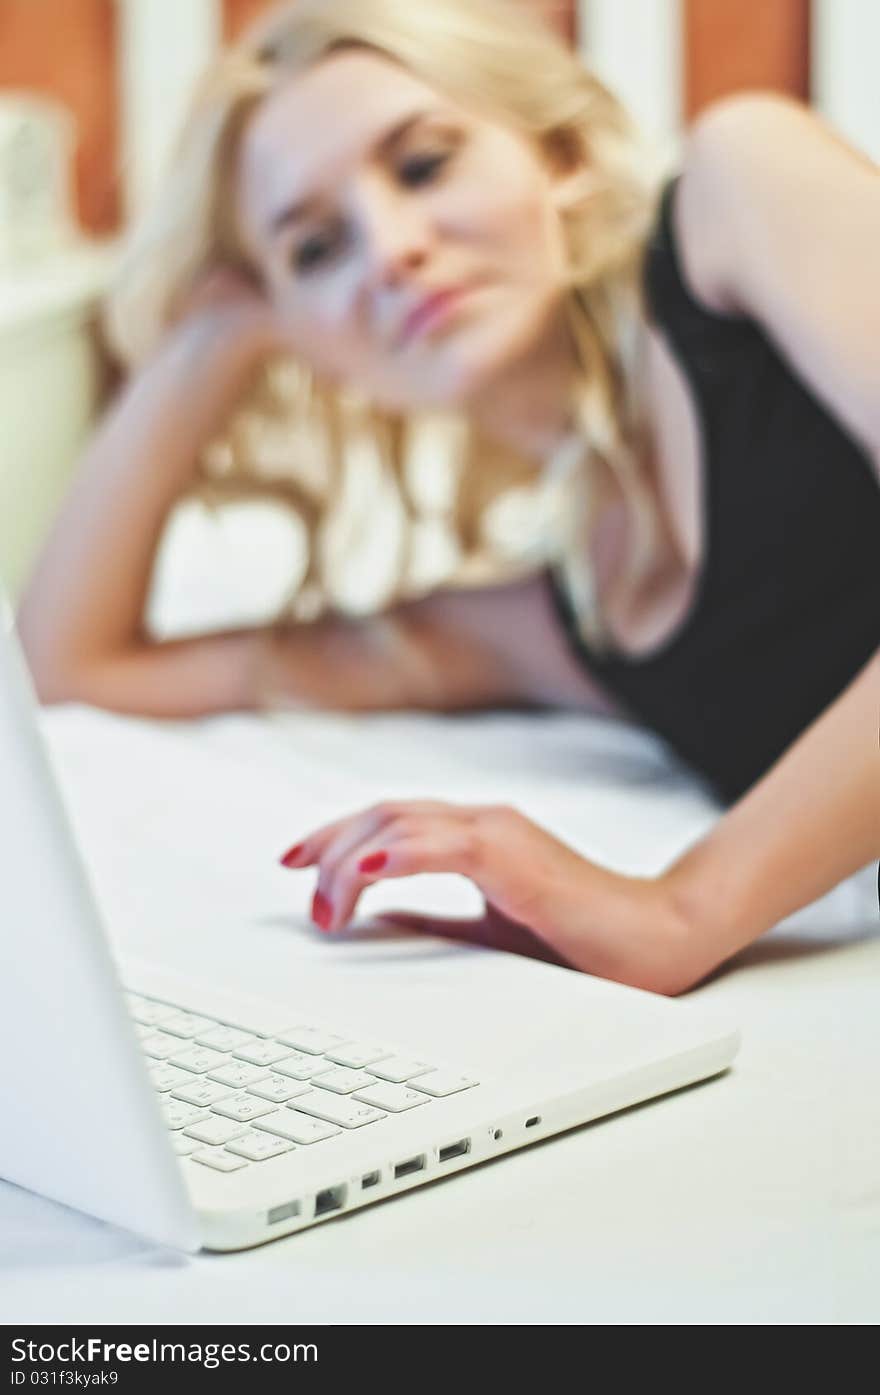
[(411, 247)]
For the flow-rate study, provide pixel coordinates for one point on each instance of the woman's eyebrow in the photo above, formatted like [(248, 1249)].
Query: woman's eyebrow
[(296, 211)]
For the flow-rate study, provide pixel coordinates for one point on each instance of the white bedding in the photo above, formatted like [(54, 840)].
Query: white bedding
[(197, 789)]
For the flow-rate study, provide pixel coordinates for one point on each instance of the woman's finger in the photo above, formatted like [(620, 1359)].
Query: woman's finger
[(386, 823), (495, 847), (308, 849), (316, 845), (433, 845)]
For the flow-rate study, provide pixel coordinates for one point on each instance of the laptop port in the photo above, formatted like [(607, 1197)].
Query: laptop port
[(330, 1199), (454, 1150), (403, 1169), (370, 1179), (282, 1213), (535, 1119)]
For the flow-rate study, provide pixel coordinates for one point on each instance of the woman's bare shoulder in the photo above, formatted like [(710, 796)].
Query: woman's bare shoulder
[(779, 219), (720, 151)]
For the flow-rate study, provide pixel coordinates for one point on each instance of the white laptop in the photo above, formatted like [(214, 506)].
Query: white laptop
[(204, 1118)]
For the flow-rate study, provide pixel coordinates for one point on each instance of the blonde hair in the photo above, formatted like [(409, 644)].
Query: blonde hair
[(494, 53)]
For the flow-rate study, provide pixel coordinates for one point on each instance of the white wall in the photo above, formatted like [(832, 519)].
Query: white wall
[(635, 47), (164, 46), (846, 68)]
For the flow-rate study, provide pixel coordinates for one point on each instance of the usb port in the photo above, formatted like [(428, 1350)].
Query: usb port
[(454, 1150), (403, 1169), (283, 1212)]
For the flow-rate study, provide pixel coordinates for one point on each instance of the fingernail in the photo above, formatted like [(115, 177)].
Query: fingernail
[(290, 857), (322, 910), (374, 863)]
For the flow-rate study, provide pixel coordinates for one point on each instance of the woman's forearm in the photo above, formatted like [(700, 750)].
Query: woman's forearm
[(85, 601), (812, 821)]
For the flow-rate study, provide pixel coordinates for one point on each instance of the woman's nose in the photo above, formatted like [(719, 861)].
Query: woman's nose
[(396, 234)]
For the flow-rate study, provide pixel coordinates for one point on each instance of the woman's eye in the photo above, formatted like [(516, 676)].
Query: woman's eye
[(317, 249), (421, 169)]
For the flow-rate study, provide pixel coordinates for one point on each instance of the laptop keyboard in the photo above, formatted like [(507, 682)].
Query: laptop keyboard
[(232, 1097)]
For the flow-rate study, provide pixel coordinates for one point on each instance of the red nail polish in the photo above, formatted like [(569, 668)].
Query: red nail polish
[(322, 910), (374, 863), (290, 857)]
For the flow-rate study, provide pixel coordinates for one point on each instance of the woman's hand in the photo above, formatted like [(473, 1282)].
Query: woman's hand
[(232, 307), (542, 898)]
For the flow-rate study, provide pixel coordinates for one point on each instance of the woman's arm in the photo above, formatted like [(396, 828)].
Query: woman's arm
[(81, 620), (450, 651), (812, 821)]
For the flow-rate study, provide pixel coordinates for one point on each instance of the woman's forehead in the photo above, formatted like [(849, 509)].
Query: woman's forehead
[(324, 121)]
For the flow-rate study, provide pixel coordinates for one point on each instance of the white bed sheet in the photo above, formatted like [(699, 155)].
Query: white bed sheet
[(754, 1198)]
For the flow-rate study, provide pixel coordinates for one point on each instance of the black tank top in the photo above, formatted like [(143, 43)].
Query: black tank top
[(787, 609)]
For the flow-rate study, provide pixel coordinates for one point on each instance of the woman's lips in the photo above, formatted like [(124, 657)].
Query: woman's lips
[(431, 312)]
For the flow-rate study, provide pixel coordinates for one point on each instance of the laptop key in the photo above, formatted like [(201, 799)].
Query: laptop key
[(336, 1109), (179, 1115), (399, 1068), (242, 1108), (342, 1081), (215, 1130), (239, 1074), (311, 1039), (296, 1127), (219, 1159), (203, 1092), (183, 1145), (160, 1046), (443, 1082), (199, 1059), (262, 1053), (187, 1024), (299, 1066), (165, 1076), (146, 1012), (256, 1147), (224, 1038), (278, 1088), (356, 1054), (395, 1098)]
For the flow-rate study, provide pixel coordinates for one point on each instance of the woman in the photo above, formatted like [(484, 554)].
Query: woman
[(434, 207)]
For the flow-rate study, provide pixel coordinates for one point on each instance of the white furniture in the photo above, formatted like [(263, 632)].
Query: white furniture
[(48, 390), (750, 1199)]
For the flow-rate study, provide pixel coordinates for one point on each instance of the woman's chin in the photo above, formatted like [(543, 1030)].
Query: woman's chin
[(485, 355), (467, 365), (457, 368), (445, 382)]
